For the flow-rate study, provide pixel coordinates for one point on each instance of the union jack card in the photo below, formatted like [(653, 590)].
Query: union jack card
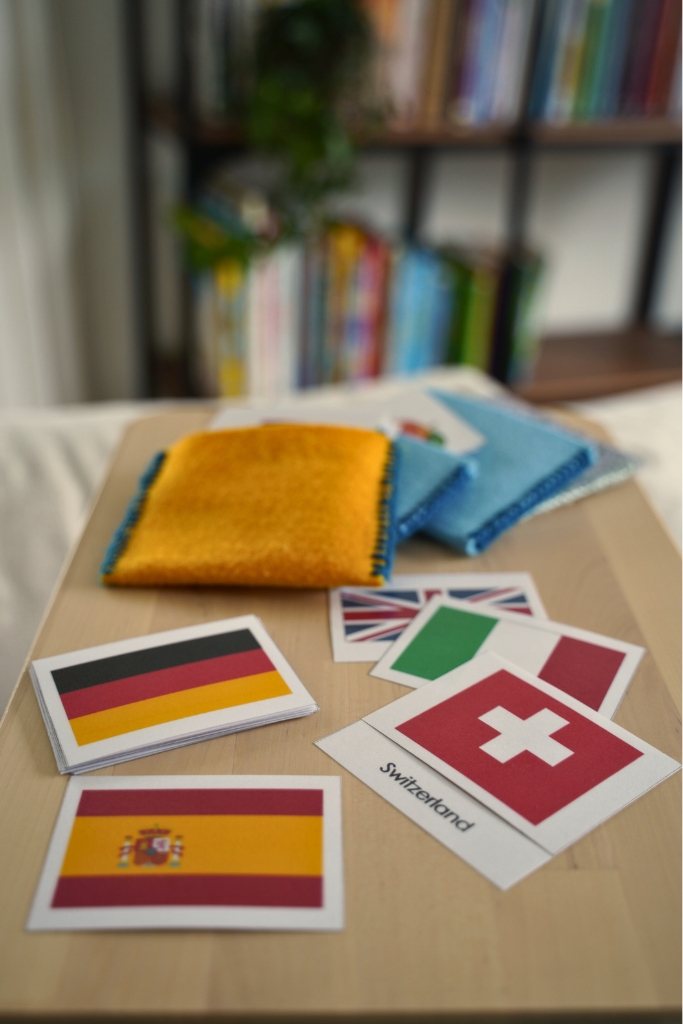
[(365, 621)]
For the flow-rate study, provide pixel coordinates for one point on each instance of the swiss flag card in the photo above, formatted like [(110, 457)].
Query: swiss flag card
[(542, 760)]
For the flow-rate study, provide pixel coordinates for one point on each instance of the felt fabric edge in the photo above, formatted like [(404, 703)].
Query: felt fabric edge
[(556, 481), (119, 541), (383, 555), (456, 480)]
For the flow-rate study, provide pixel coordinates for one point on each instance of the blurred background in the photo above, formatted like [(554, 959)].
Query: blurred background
[(245, 197), (516, 178)]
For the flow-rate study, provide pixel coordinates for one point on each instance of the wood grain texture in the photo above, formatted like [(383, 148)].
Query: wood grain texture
[(596, 929)]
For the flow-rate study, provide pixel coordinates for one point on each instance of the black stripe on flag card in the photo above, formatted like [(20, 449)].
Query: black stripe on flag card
[(152, 659)]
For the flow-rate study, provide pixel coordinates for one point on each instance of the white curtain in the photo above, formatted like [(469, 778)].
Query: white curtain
[(41, 359)]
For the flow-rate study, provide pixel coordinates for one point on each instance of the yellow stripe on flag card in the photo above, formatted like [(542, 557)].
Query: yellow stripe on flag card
[(102, 725), (236, 844)]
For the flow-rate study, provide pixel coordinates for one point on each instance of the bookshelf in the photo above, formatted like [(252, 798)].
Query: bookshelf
[(570, 366)]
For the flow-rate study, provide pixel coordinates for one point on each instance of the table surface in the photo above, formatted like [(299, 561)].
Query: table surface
[(596, 929)]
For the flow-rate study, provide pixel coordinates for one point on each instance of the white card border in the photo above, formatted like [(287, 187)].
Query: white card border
[(371, 651), (612, 699), (75, 754), (571, 822), (522, 855), (329, 917), (361, 409)]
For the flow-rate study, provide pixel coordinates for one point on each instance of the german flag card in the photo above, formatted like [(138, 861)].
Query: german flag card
[(202, 851), (448, 633), (107, 704)]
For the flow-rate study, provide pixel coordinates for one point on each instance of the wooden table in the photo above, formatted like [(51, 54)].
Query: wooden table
[(596, 929)]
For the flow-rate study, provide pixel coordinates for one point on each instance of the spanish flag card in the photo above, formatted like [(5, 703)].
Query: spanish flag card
[(194, 851), (135, 697)]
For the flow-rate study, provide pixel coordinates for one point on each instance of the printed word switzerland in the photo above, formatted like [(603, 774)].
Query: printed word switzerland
[(435, 802)]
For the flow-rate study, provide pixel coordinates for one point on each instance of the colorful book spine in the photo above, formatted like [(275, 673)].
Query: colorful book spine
[(489, 58), (517, 325), (230, 298), (664, 59), (620, 18), (526, 309), (479, 314), (596, 19), (436, 64), (510, 66), (605, 58), (459, 275), (348, 306), (545, 59)]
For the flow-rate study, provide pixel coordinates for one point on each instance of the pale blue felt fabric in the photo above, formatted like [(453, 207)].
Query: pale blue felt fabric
[(426, 476), (525, 461)]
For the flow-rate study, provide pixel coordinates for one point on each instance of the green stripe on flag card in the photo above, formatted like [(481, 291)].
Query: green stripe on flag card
[(447, 633), (450, 638)]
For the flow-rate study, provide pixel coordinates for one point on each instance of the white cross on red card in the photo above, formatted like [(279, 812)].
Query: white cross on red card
[(542, 760), (515, 735)]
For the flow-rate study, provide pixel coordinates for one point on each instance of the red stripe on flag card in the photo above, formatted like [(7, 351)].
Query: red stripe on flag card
[(583, 670), (105, 696), (189, 891), (121, 802)]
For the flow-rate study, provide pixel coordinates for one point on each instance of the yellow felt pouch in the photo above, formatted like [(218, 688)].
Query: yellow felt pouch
[(282, 505)]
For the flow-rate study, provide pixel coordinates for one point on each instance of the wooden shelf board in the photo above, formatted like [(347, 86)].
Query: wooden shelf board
[(406, 134), (163, 113), (618, 131), (575, 367)]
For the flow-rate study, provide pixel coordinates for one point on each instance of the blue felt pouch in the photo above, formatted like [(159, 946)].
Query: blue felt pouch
[(426, 477), (525, 461)]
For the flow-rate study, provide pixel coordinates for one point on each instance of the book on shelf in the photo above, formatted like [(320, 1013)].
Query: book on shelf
[(607, 59), (349, 305)]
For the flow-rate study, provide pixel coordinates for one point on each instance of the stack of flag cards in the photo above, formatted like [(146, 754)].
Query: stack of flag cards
[(501, 767), (592, 668), (365, 621), (203, 851), (107, 704)]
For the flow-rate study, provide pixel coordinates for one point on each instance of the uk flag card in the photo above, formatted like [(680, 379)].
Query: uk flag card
[(366, 621), (543, 761), (594, 669)]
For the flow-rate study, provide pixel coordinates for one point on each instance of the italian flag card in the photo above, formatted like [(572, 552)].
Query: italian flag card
[(194, 852), (591, 668)]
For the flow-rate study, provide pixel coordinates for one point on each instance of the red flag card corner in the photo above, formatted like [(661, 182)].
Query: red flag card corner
[(592, 668), (543, 761), (252, 852)]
